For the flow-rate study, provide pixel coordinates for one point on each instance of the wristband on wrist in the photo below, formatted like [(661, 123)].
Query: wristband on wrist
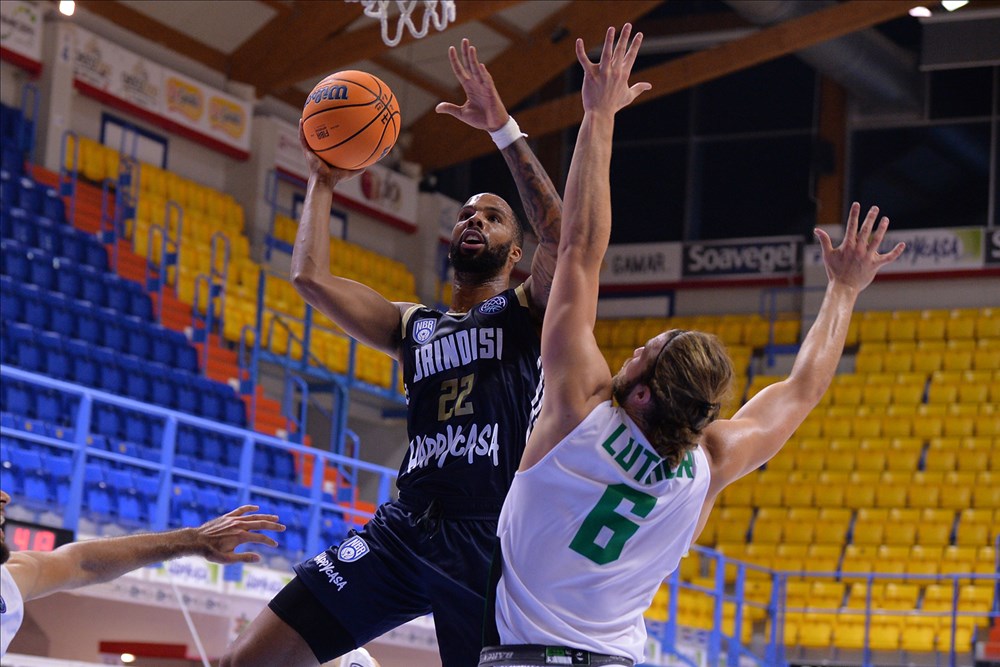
[(508, 134)]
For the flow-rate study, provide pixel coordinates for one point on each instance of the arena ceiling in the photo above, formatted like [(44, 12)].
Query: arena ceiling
[(282, 47)]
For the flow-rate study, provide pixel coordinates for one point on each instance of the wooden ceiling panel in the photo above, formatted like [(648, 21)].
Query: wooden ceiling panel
[(765, 44)]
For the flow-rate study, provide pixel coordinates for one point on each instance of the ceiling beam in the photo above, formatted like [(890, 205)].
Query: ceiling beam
[(526, 66), (675, 75), (264, 54), (505, 28), (410, 73), (333, 53), (160, 33)]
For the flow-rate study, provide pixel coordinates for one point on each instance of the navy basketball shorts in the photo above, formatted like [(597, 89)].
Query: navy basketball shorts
[(416, 556)]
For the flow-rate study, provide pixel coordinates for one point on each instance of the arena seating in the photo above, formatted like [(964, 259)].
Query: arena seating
[(896, 472)]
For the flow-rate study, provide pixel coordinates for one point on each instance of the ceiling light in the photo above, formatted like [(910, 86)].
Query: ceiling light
[(127, 657), (920, 12), (67, 7), (952, 5)]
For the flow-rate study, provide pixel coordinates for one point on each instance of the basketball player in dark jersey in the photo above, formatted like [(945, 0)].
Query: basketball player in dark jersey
[(473, 383)]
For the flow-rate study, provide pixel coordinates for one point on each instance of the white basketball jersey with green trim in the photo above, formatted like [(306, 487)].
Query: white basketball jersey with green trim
[(11, 609), (589, 532)]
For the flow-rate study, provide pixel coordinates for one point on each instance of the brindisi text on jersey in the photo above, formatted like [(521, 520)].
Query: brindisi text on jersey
[(457, 349), (456, 442)]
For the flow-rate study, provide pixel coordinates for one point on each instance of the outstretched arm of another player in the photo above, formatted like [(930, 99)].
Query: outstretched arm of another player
[(94, 561), (484, 110), (360, 311), (576, 375), (757, 432)]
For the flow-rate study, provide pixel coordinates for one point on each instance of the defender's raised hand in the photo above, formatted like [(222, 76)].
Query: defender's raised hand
[(856, 260), (605, 84), (217, 539), (483, 108)]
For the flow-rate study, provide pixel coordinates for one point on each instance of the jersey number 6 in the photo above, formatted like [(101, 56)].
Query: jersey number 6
[(604, 532)]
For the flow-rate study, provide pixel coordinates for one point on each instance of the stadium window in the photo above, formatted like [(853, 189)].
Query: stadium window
[(924, 177), (120, 134)]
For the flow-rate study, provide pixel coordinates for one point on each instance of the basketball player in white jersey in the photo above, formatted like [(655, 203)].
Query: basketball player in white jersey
[(609, 497), (27, 575)]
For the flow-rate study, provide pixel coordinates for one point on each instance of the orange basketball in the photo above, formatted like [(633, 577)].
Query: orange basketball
[(351, 119)]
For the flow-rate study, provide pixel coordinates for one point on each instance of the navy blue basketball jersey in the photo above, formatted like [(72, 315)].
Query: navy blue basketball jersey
[(474, 386)]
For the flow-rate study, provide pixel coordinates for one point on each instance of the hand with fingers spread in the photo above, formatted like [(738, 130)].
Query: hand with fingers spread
[(483, 108), (217, 539), (322, 172), (605, 84), (856, 260)]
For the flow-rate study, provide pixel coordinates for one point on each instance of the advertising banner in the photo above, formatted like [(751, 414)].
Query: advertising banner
[(179, 103), (641, 263), (954, 249), (21, 33), (992, 247), (742, 258), (380, 192)]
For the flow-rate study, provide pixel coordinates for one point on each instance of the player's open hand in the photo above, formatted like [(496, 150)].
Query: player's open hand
[(605, 84), (218, 538), (483, 108), (326, 174), (856, 260)]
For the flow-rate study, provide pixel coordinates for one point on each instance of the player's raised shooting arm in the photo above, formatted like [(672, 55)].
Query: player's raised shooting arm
[(360, 311), (484, 110), (544, 208), (757, 432)]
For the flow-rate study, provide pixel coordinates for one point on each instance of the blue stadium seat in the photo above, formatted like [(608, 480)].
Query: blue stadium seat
[(74, 243), (293, 541), (53, 206), (126, 498), (49, 407), (125, 448), (187, 358), (92, 285), (14, 262), (48, 236), (67, 278), (57, 363), (29, 195), (95, 255), (208, 499), (27, 464), (187, 393), (206, 467), (162, 390), (17, 399), (139, 343), (87, 326), (184, 462), (136, 378), (211, 447), (26, 351), (110, 378), (117, 292), (97, 499), (235, 412), (10, 159), (136, 428), (188, 443), (36, 310), (232, 451), (84, 369), (59, 471), (40, 269), (22, 227), (332, 529), (163, 344), (106, 420), (8, 189), (263, 459), (115, 336)]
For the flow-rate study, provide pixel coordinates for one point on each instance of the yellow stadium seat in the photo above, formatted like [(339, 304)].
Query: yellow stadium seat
[(986, 359), (765, 495), (927, 361), (960, 328), (957, 425), (972, 534), (897, 362), (809, 460), (957, 360), (942, 393), (866, 427), (973, 460), (890, 496), (849, 635), (731, 530), (908, 393), (873, 329), (846, 394), (956, 498), (903, 461), (815, 635), (902, 327), (927, 427), (931, 534), (767, 532), (900, 534), (931, 327), (988, 425), (884, 637), (799, 495)]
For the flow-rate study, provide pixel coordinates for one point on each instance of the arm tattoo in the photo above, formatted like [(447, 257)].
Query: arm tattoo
[(541, 201)]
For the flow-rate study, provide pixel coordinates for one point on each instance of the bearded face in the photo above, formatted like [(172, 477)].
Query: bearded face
[(485, 261)]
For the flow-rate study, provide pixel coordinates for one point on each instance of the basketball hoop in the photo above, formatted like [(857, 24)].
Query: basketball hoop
[(438, 12)]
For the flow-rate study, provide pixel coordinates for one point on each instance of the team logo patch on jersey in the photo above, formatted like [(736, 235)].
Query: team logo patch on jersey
[(494, 305), (352, 549), (424, 329)]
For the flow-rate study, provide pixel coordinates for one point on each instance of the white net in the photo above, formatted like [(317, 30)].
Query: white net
[(437, 12)]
